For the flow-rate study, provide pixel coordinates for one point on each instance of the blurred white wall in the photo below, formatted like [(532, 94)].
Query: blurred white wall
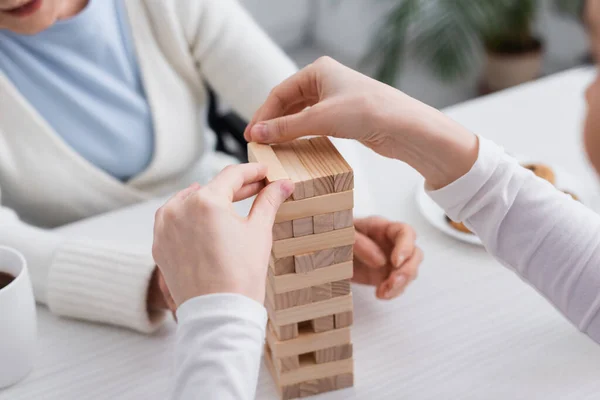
[(343, 29)]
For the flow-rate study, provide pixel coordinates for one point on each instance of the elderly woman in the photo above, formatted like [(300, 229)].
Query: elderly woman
[(102, 105)]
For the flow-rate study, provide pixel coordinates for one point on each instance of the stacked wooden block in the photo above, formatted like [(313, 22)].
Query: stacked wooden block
[(309, 301)]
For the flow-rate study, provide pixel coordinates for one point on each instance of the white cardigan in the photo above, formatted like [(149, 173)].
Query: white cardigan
[(178, 44)]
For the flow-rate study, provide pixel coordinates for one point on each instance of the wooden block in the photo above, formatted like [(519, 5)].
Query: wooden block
[(317, 386), (264, 154), (335, 353), (340, 288), (306, 341), (343, 219), (341, 171), (316, 165), (291, 391), (319, 276), (321, 292), (310, 243), (303, 227), (295, 170), (344, 351), (285, 300), (323, 258), (309, 207), (282, 266), (325, 355), (343, 254), (310, 370), (323, 223), (284, 332), (323, 324), (283, 230), (311, 311), (285, 364), (344, 320), (304, 263), (344, 381)]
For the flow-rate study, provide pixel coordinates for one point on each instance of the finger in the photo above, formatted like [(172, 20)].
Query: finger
[(299, 90), (249, 190), (403, 237), (234, 177), (398, 280), (316, 120), (268, 202), (367, 251)]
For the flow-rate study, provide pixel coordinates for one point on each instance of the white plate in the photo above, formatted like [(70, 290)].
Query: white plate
[(436, 216)]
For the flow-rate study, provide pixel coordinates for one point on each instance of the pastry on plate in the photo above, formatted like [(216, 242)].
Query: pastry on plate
[(543, 171), (459, 226)]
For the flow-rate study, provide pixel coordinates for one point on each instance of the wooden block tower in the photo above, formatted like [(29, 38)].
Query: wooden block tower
[(309, 347)]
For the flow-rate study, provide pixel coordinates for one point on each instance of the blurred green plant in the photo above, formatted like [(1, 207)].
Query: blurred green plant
[(446, 35)]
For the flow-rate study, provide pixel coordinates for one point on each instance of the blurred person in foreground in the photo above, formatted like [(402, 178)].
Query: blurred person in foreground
[(546, 237), (103, 105)]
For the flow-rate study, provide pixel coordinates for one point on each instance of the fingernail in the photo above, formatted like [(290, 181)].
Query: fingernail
[(400, 261), (399, 282), (259, 132), (287, 187)]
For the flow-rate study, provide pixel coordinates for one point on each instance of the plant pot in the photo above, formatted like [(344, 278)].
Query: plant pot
[(507, 68)]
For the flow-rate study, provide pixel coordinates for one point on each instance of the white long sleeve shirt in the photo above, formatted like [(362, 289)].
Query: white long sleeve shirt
[(180, 45), (550, 240)]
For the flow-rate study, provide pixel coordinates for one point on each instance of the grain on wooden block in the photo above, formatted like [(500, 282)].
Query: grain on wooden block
[(321, 292), (282, 266), (343, 253), (344, 320), (317, 386), (304, 263), (342, 173), (336, 272), (303, 227), (307, 341), (323, 223), (296, 171), (344, 381), (342, 219), (285, 364), (323, 258), (285, 332), (283, 230), (290, 299), (340, 288), (310, 207), (316, 165), (264, 154), (311, 243), (323, 324)]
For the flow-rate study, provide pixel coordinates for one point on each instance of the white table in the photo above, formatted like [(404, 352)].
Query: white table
[(466, 329)]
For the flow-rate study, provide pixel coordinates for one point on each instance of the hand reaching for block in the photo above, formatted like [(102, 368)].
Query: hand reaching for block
[(203, 246), (385, 255)]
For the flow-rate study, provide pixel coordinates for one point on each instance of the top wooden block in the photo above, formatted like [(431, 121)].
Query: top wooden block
[(314, 165)]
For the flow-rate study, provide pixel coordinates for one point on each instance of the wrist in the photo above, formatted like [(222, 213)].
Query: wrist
[(439, 148)]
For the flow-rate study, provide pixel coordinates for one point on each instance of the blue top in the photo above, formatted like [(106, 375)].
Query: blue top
[(82, 77)]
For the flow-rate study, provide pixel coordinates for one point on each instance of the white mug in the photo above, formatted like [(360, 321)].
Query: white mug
[(18, 326)]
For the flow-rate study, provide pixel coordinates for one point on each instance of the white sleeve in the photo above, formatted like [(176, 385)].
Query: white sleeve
[(84, 279), (219, 346), (233, 53), (550, 240)]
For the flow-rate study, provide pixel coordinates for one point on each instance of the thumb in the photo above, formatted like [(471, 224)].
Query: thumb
[(269, 200), (283, 129)]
